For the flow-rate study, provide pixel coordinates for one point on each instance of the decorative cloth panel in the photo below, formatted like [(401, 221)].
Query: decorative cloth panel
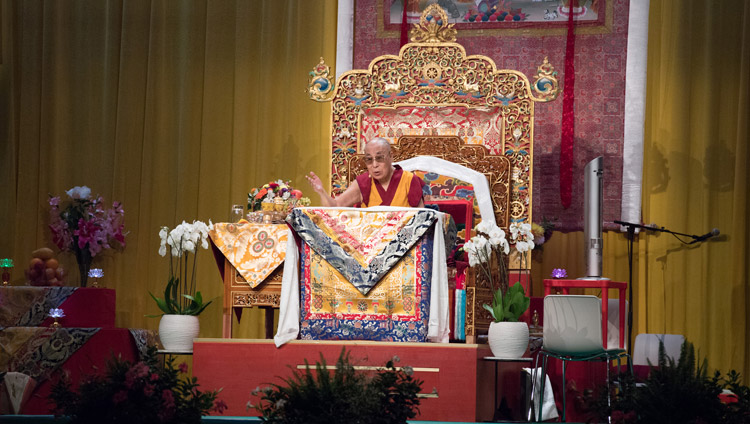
[(255, 250), (29, 306), (362, 246), (395, 309)]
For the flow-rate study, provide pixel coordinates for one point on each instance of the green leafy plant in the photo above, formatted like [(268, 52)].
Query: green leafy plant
[(509, 306), (678, 392), (315, 395), (182, 243), (144, 392)]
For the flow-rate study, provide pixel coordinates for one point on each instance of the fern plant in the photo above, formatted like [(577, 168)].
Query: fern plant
[(677, 392), (317, 396)]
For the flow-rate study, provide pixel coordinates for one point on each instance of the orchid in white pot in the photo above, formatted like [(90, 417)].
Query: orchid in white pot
[(507, 336), (182, 243)]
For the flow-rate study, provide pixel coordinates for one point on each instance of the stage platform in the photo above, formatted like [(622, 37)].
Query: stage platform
[(49, 419), (459, 385)]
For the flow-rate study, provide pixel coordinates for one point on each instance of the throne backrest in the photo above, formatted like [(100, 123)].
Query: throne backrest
[(491, 199)]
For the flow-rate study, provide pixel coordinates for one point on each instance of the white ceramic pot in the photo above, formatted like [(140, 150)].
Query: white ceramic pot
[(177, 332), (508, 339)]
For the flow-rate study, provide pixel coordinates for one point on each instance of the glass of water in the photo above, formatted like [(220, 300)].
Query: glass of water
[(238, 211)]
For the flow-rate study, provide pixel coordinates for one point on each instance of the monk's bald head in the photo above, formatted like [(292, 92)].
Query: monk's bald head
[(378, 143)]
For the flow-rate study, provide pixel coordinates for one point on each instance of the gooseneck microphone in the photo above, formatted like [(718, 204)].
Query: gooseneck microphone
[(713, 233)]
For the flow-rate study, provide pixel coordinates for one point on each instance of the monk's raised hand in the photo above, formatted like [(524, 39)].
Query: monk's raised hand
[(315, 182)]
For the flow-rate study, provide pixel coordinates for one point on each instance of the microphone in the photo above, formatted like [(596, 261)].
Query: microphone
[(708, 235)]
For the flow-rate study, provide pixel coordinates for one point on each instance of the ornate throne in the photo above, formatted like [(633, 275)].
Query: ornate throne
[(434, 100)]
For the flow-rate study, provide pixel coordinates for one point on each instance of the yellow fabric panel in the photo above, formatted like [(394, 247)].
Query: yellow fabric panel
[(696, 163), (175, 111), (696, 177)]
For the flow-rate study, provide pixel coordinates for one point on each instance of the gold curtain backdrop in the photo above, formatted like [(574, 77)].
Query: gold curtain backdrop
[(177, 109)]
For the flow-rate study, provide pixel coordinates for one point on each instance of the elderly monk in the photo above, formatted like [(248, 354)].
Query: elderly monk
[(382, 185)]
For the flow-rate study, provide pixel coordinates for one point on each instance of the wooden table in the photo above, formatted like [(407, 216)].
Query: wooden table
[(604, 285), (238, 292)]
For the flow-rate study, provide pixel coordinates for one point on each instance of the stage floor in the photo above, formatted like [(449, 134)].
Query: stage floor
[(459, 385)]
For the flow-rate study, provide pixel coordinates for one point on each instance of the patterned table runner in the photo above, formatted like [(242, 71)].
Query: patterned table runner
[(255, 250)]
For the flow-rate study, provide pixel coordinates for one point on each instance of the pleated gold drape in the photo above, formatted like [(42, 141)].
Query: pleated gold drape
[(696, 178), (175, 108)]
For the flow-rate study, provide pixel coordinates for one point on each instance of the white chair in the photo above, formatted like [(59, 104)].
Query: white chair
[(646, 347), (613, 325), (573, 332)]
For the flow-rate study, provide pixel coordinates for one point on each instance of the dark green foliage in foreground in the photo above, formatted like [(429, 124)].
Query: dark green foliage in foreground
[(678, 392), (142, 393), (348, 396)]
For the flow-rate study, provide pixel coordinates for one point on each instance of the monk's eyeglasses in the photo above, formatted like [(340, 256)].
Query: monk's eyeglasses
[(379, 158)]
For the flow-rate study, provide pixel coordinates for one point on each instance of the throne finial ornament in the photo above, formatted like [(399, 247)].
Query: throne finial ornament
[(545, 82), (320, 86), (433, 27)]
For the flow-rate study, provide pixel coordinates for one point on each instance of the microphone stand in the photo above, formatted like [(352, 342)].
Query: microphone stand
[(630, 227)]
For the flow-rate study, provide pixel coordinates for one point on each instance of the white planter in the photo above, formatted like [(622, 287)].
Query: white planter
[(508, 339), (177, 332)]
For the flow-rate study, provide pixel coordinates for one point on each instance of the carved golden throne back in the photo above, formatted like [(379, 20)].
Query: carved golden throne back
[(433, 99)]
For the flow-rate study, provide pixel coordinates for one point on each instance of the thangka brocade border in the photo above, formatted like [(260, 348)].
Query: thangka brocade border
[(362, 326)]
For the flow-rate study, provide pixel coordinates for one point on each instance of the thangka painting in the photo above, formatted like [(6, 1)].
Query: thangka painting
[(490, 15)]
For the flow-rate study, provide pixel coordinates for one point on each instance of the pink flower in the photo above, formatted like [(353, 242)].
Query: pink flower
[(167, 399), (148, 390), (220, 406), (54, 201), (183, 367), (154, 377), (85, 232), (120, 397), (135, 372)]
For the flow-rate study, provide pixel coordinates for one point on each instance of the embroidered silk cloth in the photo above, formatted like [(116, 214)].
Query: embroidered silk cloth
[(38, 351), (408, 302), (255, 250), (362, 245), (396, 309), (29, 306)]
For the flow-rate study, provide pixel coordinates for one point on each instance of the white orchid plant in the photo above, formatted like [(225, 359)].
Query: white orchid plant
[(508, 303), (182, 243)]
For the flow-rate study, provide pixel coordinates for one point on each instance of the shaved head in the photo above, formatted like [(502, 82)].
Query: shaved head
[(378, 142)]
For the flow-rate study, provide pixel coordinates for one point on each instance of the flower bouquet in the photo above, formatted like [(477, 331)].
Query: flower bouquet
[(84, 226), (273, 193)]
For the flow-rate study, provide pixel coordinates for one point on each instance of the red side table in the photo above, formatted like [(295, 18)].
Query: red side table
[(604, 285)]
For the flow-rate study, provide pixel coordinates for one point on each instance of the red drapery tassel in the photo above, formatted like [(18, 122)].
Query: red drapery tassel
[(568, 116), (404, 26)]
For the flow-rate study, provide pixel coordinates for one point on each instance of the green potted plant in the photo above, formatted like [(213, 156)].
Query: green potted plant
[(142, 392), (182, 302), (507, 337), (681, 391), (316, 395)]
